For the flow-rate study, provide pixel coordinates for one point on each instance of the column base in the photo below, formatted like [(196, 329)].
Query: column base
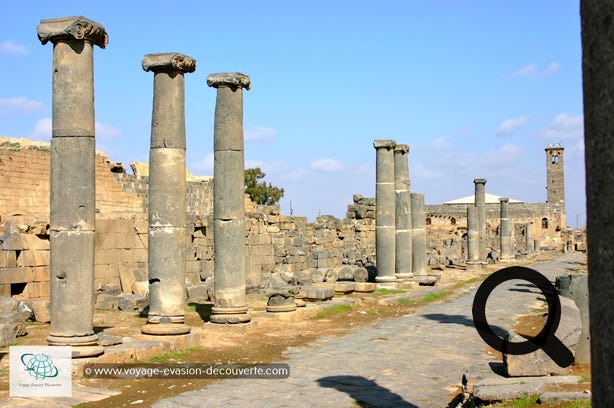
[(165, 329), (473, 266), (229, 315), (406, 275), (81, 346), (507, 259), (385, 279)]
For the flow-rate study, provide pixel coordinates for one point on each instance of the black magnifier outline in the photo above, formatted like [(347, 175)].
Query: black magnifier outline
[(545, 339)]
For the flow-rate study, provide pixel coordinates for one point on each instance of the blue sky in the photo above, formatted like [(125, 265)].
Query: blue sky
[(476, 88)]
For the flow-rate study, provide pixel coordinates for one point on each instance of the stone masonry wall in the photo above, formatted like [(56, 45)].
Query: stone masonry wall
[(276, 243)]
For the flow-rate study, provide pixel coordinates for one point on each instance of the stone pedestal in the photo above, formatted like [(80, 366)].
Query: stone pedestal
[(385, 211), (418, 234), (167, 241), (473, 240), (505, 235), (597, 74), (480, 203), (402, 213), (72, 183), (230, 267)]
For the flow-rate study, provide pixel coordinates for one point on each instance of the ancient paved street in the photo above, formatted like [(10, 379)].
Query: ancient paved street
[(414, 360)]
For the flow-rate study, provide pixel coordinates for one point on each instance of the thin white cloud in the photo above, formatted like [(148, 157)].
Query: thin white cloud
[(423, 173), (19, 105), (503, 156), (326, 165), (107, 132), (203, 165), (564, 127), (439, 143), (509, 126), (42, 130), (260, 134), (11, 47), (533, 71)]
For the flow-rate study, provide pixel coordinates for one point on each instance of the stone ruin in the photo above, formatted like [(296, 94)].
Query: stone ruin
[(147, 241)]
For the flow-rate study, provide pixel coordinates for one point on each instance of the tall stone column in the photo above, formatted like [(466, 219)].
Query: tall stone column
[(528, 237), (418, 234), (230, 267), (480, 203), (403, 254), (505, 234), (167, 242), (72, 184), (598, 91), (473, 240), (385, 211)]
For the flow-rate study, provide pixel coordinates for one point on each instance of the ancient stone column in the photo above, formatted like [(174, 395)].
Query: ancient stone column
[(473, 240), (418, 234), (167, 242), (228, 200), (505, 235), (72, 184), (528, 237), (597, 74), (403, 239), (385, 211), (480, 203)]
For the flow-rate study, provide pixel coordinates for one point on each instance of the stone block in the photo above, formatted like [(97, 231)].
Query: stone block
[(198, 292), (128, 276), (8, 259), (365, 286), (8, 304), (575, 287), (131, 302), (538, 362), (140, 288), (105, 301), (342, 287), (33, 258), (40, 308), (40, 274), (16, 275), (34, 242), (8, 334), (316, 293)]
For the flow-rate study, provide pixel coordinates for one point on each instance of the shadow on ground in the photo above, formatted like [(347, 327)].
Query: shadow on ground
[(366, 393)]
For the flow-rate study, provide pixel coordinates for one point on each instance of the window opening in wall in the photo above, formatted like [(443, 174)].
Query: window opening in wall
[(17, 288), (452, 221), (428, 221), (544, 223)]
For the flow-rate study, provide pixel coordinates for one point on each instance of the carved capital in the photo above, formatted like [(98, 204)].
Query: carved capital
[(169, 61), (401, 148), (229, 79), (79, 28), (504, 200), (386, 144), (479, 181)]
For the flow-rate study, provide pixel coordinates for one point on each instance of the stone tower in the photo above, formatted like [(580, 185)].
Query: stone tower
[(555, 175)]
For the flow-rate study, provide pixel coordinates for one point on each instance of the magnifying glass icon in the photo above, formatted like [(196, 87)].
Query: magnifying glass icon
[(545, 339)]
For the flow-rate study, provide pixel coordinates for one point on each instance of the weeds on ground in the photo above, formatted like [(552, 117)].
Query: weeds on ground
[(332, 310)]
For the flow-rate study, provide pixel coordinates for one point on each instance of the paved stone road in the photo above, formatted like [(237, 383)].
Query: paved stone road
[(410, 361)]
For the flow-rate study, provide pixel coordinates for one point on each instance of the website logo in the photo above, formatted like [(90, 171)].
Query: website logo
[(40, 371)]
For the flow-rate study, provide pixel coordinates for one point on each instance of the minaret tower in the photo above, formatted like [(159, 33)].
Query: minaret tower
[(555, 174)]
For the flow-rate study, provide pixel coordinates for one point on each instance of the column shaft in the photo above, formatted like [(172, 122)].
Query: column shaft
[(598, 92), (230, 267), (385, 199), (528, 238), (473, 239), (72, 182), (167, 239), (505, 235), (402, 213), (480, 203), (418, 234)]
